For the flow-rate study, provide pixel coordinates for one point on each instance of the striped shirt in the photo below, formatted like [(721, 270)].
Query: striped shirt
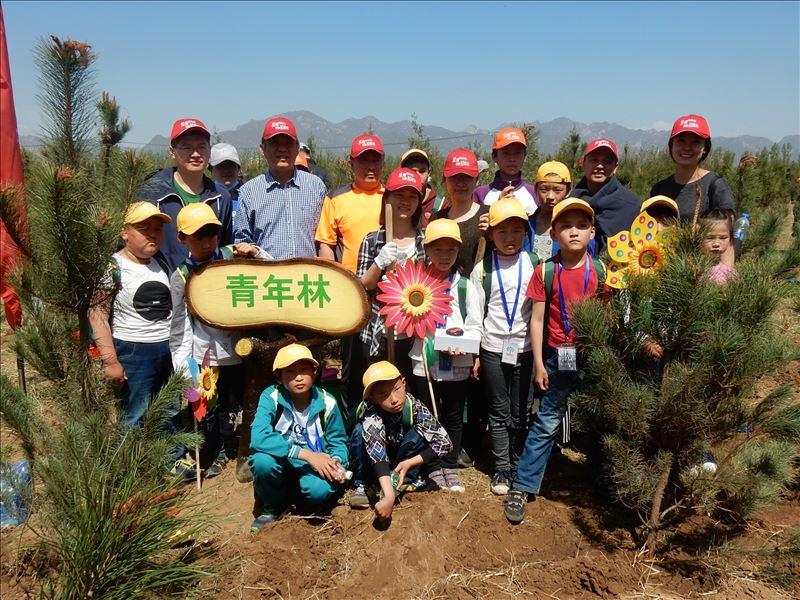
[(374, 330), (280, 218)]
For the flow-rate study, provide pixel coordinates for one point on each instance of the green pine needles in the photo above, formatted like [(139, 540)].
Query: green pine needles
[(658, 418)]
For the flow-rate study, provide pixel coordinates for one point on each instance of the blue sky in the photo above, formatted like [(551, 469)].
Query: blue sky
[(453, 64)]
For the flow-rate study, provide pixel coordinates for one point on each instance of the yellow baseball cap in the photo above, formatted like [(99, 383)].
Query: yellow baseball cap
[(442, 228), (414, 153), (143, 210), (572, 204), (195, 216), (505, 209), (379, 371), (661, 201), (288, 355), (553, 172)]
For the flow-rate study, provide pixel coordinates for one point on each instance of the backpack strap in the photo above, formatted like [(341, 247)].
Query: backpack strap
[(226, 252), (162, 262), (183, 271), (408, 413), (486, 281), (548, 274), (600, 269), (438, 203), (462, 297), (115, 273)]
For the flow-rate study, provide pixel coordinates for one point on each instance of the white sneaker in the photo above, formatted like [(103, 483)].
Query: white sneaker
[(501, 483)]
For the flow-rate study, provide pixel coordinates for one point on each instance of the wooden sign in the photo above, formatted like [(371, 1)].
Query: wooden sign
[(309, 293)]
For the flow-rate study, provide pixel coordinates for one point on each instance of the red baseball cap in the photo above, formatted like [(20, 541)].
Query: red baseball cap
[(365, 142), (694, 123), (186, 125), (279, 126), (461, 161), (601, 143), (508, 136), (401, 178)]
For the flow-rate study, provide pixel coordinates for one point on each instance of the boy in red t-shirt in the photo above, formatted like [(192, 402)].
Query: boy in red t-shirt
[(566, 278)]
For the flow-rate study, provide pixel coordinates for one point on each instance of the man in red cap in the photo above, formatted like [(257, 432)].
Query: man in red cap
[(348, 215), (279, 210), (615, 206), (173, 188), (509, 151)]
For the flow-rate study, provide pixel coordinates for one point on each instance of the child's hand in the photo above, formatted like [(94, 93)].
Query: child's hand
[(483, 223), (385, 506), (115, 373), (452, 352), (476, 369), (541, 378), (245, 249), (653, 349), (507, 191), (324, 465)]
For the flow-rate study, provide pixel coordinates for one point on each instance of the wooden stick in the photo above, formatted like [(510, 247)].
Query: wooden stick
[(481, 250), (387, 219), (698, 194), (430, 383), (197, 454)]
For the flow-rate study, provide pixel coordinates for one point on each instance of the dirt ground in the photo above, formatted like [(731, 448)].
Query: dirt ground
[(440, 544)]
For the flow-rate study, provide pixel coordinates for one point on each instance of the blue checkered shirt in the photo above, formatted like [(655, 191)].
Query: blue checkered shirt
[(281, 219)]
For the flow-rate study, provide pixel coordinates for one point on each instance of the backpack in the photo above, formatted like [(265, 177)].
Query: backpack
[(548, 274), (116, 275), (328, 400), (185, 269), (488, 269), (407, 417)]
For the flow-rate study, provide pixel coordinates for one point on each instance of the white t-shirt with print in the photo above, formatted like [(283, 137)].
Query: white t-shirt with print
[(292, 425), (143, 304)]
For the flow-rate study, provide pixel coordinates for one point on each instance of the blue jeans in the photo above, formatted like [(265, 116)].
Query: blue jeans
[(277, 480), (546, 425), (363, 471), (147, 367), (507, 388)]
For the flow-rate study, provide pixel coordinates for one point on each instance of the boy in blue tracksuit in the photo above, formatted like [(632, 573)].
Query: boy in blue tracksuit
[(298, 439), (173, 188)]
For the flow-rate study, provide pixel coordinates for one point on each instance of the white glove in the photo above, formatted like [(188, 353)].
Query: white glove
[(386, 256)]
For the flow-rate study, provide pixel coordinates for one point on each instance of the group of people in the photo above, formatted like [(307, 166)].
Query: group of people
[(542, 249)]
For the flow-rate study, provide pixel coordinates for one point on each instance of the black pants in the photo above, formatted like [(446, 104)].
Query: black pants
[(221, 439), (477, 419), (451, 396)]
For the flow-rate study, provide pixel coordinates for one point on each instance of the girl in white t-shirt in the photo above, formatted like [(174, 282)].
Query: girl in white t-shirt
[(132, 319)]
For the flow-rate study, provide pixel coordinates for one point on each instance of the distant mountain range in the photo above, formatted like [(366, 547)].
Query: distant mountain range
[(336, 137)]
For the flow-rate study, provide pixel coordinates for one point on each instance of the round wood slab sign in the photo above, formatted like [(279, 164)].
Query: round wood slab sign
[(313, 294)]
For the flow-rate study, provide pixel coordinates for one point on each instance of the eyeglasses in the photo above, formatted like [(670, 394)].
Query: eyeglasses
[(200, 149)]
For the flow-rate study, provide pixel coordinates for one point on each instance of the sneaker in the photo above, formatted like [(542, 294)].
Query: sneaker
[(514, 505), (464, 460), (262, 520), (184, 469), (438, 478), (453, 481), (417, 485), (501, 482), (216, 467), (358, 497)]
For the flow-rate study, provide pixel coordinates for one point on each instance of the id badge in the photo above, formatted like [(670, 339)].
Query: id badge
[(567, 358), (445, 362), (510, 351)]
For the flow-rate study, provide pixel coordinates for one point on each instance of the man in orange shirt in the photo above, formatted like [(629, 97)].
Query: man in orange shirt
[(351, 212), (348, 215)]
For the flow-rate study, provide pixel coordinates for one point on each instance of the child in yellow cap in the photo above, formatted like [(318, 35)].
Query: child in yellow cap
[(199, 230), (450, 370), (506, 361), (298, 441), (555, 286), (553, 184), (395, 435), (131, 325)]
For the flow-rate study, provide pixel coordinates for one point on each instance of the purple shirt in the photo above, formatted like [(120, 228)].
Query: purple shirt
[(524, 192)]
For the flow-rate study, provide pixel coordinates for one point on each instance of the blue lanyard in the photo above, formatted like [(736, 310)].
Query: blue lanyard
[(315, 447), (561, 302), (509, 318)]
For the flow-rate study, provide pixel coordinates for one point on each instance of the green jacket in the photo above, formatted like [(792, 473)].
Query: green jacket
[(274, 401)]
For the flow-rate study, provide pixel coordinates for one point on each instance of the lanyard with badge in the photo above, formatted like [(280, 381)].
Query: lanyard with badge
[(315, 446), (511, 347), (567, 355)]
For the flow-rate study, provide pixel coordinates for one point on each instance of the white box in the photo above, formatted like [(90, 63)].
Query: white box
[(469, 341)]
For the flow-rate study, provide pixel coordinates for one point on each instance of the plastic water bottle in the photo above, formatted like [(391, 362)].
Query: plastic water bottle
[(341, 472), (741, 226), (15, 480)]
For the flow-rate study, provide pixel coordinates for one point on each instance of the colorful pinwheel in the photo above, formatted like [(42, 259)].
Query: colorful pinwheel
[(205, 379), (414, 299), (641, 250)]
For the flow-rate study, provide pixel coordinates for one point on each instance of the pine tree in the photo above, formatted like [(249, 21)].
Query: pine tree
[(657, 419), (112, 130), (107, 514)]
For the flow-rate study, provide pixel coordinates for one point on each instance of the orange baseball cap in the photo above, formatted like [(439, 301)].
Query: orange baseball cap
[(301, 162), (507, 136)]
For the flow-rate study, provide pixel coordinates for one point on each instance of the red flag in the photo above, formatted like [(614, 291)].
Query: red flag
[(10, 176)]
